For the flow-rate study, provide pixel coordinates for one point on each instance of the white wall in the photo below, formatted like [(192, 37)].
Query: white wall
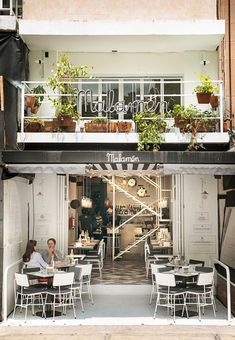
[(44, 192), (200, 221), (16, 198)]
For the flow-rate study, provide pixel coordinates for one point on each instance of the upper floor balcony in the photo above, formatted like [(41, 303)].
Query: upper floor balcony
[(147, 112)]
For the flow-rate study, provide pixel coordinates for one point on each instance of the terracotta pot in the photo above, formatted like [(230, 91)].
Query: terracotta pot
[(30, 101), (33, 127), (49, 126), (181, 123), (34, 109), (203, 98), (124, 126), (214, 101), (96, 127), (112, 127), (65, 123)]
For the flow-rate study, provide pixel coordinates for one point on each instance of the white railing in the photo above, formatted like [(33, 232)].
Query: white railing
[(228, 288), (104, 108), (5, 288)]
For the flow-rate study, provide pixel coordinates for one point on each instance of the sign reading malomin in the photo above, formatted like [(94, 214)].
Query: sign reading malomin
[(118, 158)]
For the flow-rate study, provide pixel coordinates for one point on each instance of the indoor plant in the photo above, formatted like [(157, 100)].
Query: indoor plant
[(205, 90), (150, 127), (66, 104)]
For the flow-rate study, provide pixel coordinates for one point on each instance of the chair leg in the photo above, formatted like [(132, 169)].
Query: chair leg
[(26, 309), (72, 302), (90, 293), (80, 296), (152, 293), (157, 301)]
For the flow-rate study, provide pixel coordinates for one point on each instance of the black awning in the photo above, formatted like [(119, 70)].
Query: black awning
[(116, 157)]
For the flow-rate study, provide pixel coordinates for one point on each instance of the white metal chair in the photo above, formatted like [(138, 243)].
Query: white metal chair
[(97, 261), (154, 269), (61, 292), (25, 295), (82, 275), (168, 295), (148, 258), (202, 294)]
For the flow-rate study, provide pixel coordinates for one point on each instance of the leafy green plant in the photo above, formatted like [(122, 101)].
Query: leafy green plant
[(64, 74), (33, 119), (38, 90), (206, 84), (150, 127), (99, 120)]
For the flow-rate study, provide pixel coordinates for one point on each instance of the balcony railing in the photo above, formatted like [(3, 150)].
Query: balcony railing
[(115, 101), (11, 7)]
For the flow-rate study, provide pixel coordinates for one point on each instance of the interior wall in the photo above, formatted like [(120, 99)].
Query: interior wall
[(200, 218), (16, 199)]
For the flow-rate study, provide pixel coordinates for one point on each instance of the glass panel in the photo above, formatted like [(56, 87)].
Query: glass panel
[(171, 89), (110, 96), (152, 92), (87, 109), (131, 94)]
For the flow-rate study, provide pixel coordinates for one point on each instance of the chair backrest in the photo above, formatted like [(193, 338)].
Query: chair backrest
[(204, 269), (197, 262), (30, 270), (63, 279), (205, 279), (165, 279), (85, 269), (165, 269), (21, 280), (155, 268), (77, 272)]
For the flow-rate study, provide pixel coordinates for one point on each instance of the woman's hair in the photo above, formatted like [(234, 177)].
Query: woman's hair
[(29, 250)]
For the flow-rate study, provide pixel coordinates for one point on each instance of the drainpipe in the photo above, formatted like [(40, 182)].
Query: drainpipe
[(1, 241), (230, 65)]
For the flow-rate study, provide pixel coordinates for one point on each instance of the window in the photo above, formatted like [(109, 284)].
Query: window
[(128, 95)]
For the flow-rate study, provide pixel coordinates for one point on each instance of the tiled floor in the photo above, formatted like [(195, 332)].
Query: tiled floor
[(130, 271)]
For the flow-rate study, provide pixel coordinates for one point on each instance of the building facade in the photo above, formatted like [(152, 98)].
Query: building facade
[(143, 57)]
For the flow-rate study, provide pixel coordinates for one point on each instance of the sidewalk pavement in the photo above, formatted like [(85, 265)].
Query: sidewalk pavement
[(170, 332)]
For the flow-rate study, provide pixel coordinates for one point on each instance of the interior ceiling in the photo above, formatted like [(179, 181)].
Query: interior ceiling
[(141, 44)]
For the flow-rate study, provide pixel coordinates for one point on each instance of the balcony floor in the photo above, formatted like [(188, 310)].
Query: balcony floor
[(115, 138)]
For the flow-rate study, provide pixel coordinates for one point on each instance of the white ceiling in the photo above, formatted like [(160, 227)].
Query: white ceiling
[(149, 43)]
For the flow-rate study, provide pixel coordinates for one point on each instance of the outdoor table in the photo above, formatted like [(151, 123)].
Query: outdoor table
[(85, 245), (184, 276), (47, 274)]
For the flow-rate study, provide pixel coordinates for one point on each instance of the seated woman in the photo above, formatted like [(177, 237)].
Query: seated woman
[(33, 258)]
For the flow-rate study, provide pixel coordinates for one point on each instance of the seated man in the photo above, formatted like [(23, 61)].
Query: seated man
[(51, 252)]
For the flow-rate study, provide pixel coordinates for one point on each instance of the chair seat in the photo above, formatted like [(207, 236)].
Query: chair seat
[(198, 290), (32, 290), (174, 291), (76, 286), (53, 291)]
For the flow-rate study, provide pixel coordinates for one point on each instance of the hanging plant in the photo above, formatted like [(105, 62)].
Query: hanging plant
[(150, 127)]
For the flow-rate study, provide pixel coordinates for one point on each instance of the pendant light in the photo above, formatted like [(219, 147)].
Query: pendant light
[(86, 201)]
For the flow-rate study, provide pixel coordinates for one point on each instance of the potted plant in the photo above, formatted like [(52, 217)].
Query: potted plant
[(191, 120), (66, 104), (33, 124), (98, 124), (150, 127), (205, 90), (34, 102), (124, 126)]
